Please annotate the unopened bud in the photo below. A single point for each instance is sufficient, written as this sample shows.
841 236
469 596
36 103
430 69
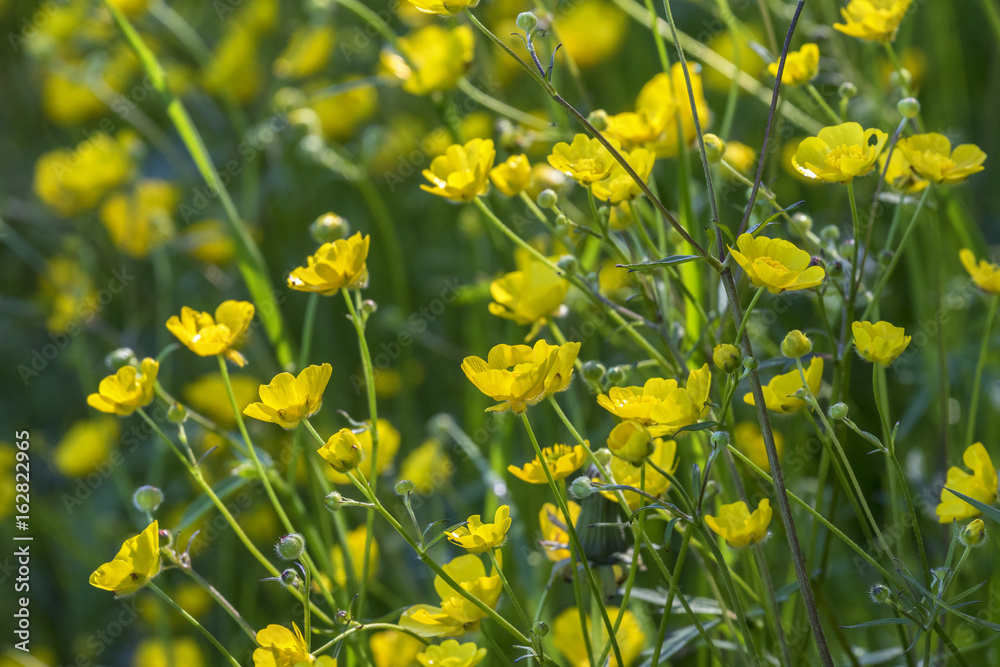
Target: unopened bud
715 148
568 264
847 90
581 488
901 78
603 456
720 439
830 233
540 629
405 487
838 411
120 358
177 413
727 357
593 371
527 21
802 224
548 198
599 119
908 107
329 227
147 498
290 578
342 617
616 374
796 345
750 363
879 594
835 269
368 307
291 546
333 501
974 534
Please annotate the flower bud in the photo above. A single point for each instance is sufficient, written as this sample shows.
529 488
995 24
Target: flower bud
368 307
561 221
548 198
290 578
974 534
846 248
901 78
342 617
631 442
802 224
568 264
604 457
123 356
715 148
796 345
147 498
177 413
885 256
333 501
908 107
291 546
830 233
879 594
750 364
329 227
616 374
599 119
838 411
847 90
405 487
540 629
593 371
720 439
288 98
727 357
527 21
835 269
342 451
581 488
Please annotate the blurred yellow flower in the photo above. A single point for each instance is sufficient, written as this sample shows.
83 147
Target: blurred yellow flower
443 7
555 535
308 51
388 444
570 639
393 648
342 113
838 153
590 31
930 155
69 295
130 7
235 68
873 20
663 99
985 275
741 157
342 451
779 393
586 160
208 241
174 651
67 101
476 537
880 343
428 467
137 562
664 457
129 388
512 175
450 653
86 444
562 461
800 66
462 173
356 553
738 526
456 615
70 181
338 264
519 375
900 174
749 440
739 49
633 128
776 264
530 295
207 395
287 400
619 186
631 442
207 336
981 485
661 405
141 220
440 56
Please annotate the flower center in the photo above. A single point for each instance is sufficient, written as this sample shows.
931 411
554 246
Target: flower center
854 152
773 264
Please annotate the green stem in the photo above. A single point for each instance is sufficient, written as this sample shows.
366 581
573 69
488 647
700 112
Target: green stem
363 627
831 114
510 591
191 619
977 379
746 314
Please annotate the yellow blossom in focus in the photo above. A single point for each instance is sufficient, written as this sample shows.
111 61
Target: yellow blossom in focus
207 336
208 396
619 186
776 264
738 526
779 393
70 181
749 440
127 389
443 7
137 562
873 20
879 343
665 97
287 400
342 451
338 264
631 442
281 647
555 535
428 467
342 113
591 31
462 173
440 56
838 153
450 653
456 615
586 160
800 66
86 445
512 175
981 484
476 537
562 461
393 648
931 156
900 174
140 221
519 376
388 444
661 405
663 456
530 295
175 651
985 275
356 553
308 51
569 638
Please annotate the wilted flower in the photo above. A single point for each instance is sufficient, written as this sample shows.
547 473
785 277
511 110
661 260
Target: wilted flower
137 562
126 390
562 461
879 343
207 336
981 484
461 174
873 20
738 526
800 66
477 537
930 155
839 153
776 264
336 265
287 400
985 275
779 393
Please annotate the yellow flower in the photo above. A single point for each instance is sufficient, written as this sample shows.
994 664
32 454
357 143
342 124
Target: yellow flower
741 157
86 444
634 128
562 461
356 553
738 526
555 536
461 174
388 445
428 467
931 156
450 653
619 186
174 651
800 66
779 393
661 404
393 648
234 68
631 442
512 175
308 51
750 441
664 456
439 55
70 181
873 20
727 358
208 396
281 647
879 343
140 221
207 241
570 639
838 153
137 562
342 113
126 390
477 537
456 615
335 265
529 295
287 400
590 31
519 375
900 173
985 275
342 451
443 7
981 485
586 160
776 264
207 336
68 293
663 99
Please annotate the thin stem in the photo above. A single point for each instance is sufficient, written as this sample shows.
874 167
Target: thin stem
510 591
362 627
746 314
977 379
191 619
831 114
223 602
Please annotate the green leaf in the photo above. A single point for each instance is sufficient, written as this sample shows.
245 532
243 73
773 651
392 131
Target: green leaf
774 216
700 426
988 510
659 263
880 621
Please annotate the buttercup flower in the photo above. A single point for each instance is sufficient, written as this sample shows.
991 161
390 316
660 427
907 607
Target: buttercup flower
427 466
529 295
450 653
343 451
137 562
443 7
779 393
512 175
631 442
727 358
619 186
740 157
70 181
207 395
569 638
931 156
776 264
394 648
749 440
477 537
388 444
839 153
661 405
738 526
985 275
663 99
590 31
355 550
900 174
126 390
664 456
338 264
456 615
461 173
85 446
879 343
439 55
981 484
562 461
873 20
281 647
140 221
207 336
520 375
800 66
287 400
586 160
634 128
555 536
